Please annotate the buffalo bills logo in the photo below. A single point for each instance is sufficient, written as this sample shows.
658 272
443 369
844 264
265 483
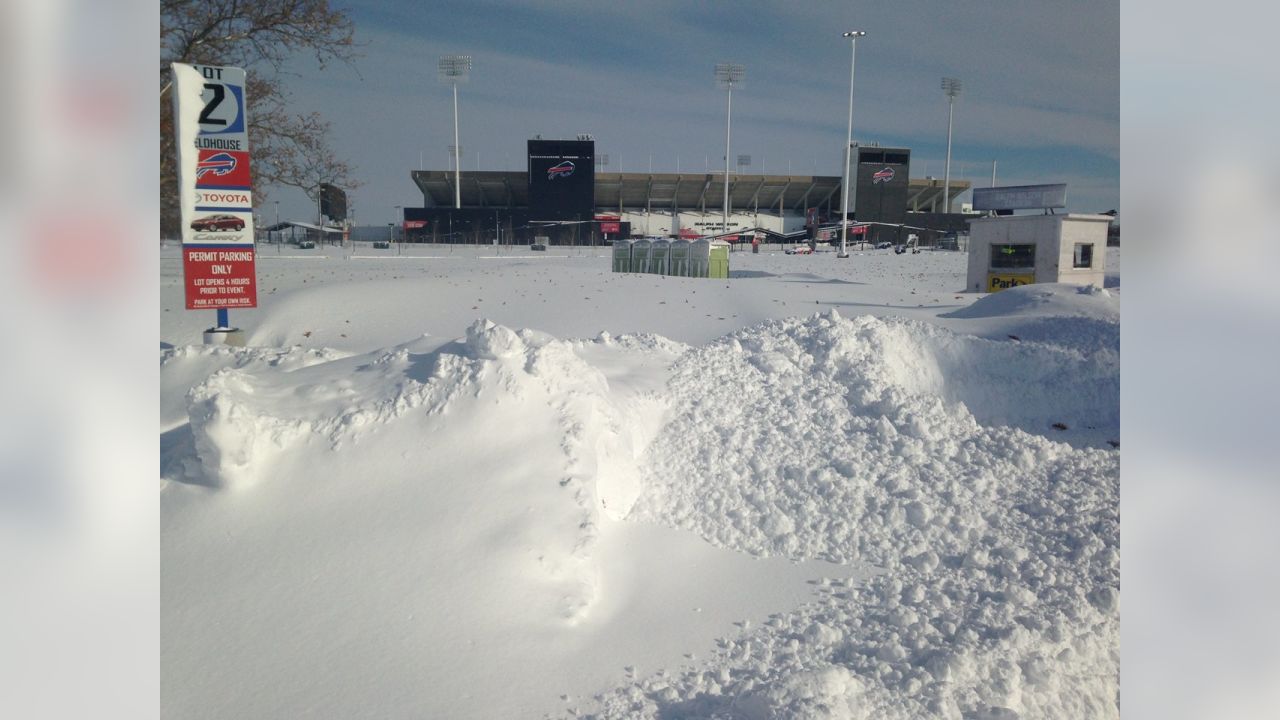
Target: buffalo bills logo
564 169
883 176
219 164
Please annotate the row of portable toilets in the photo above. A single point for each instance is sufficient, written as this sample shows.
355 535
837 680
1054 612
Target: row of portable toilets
682 258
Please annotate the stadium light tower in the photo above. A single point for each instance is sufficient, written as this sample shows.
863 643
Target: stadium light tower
853 36
454 69
950 86
728 76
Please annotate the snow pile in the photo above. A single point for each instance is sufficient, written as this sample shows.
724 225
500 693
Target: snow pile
395 534
1054 299
185 366
242 420
1083 317
854 440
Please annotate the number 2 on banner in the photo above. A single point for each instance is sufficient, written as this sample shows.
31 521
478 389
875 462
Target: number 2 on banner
219 92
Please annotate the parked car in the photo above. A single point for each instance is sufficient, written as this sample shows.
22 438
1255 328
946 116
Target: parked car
884 245
538 246
217 222
799 250
381 244
306 244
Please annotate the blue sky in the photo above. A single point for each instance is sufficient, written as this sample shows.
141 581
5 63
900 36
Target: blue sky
1041 89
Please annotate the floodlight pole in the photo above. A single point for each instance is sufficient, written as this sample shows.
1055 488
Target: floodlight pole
728 119
853 36
951 86
455 68
728 74
457 152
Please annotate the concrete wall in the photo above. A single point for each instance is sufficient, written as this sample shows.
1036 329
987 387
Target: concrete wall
1089 229
1055 238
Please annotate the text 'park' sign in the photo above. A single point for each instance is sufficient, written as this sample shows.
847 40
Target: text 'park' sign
211 123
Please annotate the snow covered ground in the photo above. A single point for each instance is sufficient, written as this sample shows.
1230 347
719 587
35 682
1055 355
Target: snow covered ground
472 482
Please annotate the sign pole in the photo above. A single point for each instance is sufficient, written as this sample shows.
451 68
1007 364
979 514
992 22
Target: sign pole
218 240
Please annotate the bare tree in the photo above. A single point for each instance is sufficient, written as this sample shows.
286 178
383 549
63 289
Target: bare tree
259 35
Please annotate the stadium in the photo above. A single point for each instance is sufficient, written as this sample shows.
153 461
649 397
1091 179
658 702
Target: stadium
563 197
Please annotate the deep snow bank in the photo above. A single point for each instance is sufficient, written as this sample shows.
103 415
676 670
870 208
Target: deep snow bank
399 534
441 511
853 439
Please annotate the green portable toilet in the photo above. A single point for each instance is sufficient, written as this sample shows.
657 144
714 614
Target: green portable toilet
660 256
679 263
718 267
640 256
622 255
699 258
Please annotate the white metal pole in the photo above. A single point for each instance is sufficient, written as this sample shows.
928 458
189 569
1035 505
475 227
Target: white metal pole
946 176
848 152
993 173
457 153
728 119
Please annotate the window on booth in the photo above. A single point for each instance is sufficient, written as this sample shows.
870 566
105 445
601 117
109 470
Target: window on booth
1005 257
1083 255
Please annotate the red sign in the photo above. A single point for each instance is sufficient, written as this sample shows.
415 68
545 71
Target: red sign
220 277
222 169
610 227
414 224
858 230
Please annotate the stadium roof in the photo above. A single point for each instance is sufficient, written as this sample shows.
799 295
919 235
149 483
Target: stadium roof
686 191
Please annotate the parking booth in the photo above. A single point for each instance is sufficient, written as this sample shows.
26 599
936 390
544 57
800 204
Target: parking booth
622 255
679 263
1007 251
659 256
640 256
1012 250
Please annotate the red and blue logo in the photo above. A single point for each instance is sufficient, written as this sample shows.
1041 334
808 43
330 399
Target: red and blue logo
223 169
883 176
564 169
219 164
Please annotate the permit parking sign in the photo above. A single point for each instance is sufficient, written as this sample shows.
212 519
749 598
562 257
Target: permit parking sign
210 112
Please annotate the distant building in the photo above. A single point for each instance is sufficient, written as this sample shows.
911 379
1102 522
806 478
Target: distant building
564 196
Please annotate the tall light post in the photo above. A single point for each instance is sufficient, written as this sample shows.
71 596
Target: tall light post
728 76
853 36
454 69
950 86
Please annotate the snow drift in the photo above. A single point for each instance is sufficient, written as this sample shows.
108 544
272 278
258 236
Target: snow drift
343 490
853 440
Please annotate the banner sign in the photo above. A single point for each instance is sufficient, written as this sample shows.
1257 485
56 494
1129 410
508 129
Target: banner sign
1020 197
610 227
218 263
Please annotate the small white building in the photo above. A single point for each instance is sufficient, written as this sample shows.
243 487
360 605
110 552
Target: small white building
1010 250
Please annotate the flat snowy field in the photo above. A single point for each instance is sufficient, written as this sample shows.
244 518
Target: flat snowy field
480 483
